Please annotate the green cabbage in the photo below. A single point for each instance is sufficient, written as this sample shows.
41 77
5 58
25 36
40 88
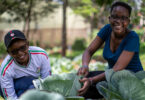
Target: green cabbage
40 95
67 84
123 85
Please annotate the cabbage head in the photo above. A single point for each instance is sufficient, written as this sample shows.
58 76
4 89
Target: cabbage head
67 84
123 85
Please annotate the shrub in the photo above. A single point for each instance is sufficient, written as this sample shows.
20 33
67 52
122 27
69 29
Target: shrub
79 44
2 48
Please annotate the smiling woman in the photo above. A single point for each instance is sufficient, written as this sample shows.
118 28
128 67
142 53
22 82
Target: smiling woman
121 49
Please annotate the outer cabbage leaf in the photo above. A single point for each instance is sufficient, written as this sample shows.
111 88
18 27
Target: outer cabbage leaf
122 85
40 95
140 75
107 93
100 89
65 84
143 80
132 89
119 76
108 74
75 98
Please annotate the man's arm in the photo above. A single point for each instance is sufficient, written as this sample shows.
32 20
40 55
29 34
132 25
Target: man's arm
7 87
45 68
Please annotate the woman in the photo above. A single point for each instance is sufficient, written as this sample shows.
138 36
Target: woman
121 48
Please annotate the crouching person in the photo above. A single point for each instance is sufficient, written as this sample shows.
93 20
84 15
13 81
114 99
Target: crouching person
23 64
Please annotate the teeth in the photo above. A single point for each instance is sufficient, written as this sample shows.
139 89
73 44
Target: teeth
21 57
118 26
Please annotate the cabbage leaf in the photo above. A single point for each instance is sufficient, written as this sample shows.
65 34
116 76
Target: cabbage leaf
66 84
123 85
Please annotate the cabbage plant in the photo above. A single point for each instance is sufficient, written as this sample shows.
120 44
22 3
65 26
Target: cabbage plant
67 84
123 85
40 95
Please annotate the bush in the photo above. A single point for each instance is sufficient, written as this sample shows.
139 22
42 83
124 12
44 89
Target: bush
2 48
79 44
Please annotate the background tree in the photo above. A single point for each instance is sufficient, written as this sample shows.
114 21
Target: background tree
64 4
64 31
97 11
27 11
92 10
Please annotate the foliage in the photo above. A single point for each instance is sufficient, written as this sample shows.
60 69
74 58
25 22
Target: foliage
61 65
123 85
31 43
40 95
65 65
20 7
2 48
87 8
95 32
141 34
91 10
79 44
66 84
142 10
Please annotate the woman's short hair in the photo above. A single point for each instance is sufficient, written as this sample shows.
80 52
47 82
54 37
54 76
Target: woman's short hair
123 4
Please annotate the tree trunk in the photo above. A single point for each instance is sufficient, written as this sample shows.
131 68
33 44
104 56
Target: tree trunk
24 27
29 19
64 35
92 25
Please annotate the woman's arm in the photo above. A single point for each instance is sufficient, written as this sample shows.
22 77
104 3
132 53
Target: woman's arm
123 60
121 64
93 47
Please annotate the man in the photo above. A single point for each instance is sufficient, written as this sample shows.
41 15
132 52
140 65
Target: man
22 64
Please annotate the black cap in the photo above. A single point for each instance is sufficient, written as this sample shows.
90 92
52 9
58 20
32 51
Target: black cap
12 35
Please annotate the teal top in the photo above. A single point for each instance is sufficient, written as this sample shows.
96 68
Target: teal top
129 43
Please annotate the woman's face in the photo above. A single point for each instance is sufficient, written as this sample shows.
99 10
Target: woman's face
19 51
119 20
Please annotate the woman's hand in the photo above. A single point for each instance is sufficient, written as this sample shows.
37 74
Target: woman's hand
87 83
83 71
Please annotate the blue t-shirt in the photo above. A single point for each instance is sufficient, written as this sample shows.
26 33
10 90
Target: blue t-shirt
129 43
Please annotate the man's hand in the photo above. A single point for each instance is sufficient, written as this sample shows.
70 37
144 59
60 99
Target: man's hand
85 87
83 71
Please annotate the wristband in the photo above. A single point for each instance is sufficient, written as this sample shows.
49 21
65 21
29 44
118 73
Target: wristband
91 81
85 66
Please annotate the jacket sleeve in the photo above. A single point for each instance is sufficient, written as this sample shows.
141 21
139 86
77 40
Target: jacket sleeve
7 86
45 67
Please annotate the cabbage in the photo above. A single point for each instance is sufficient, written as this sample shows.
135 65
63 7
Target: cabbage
67 84
123 85
40 95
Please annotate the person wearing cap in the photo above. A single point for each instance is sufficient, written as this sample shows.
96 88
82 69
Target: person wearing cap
22 64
